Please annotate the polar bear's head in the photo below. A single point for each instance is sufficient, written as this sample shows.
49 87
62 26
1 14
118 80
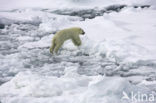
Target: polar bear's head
81 31
76 30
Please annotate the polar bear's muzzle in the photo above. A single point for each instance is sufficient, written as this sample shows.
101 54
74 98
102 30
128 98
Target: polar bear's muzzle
83 32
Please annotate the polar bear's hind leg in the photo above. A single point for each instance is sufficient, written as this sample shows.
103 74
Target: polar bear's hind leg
53 46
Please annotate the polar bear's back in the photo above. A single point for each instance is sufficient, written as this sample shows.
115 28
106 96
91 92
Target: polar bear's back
67 33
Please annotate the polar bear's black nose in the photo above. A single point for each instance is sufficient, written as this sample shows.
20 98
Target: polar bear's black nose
83 32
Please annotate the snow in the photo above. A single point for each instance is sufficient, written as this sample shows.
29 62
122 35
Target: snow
128 38
69 88
117 55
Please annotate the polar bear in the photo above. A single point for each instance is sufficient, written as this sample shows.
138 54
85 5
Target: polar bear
66 34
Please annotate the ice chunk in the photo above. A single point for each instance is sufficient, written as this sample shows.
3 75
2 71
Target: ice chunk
73 88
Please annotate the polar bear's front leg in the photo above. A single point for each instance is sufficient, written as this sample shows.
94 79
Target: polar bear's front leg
57 47
76 41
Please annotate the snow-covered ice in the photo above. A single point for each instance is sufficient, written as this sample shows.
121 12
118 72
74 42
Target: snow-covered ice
116 60
72 87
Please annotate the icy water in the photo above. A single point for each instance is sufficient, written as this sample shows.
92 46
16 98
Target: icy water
21 49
